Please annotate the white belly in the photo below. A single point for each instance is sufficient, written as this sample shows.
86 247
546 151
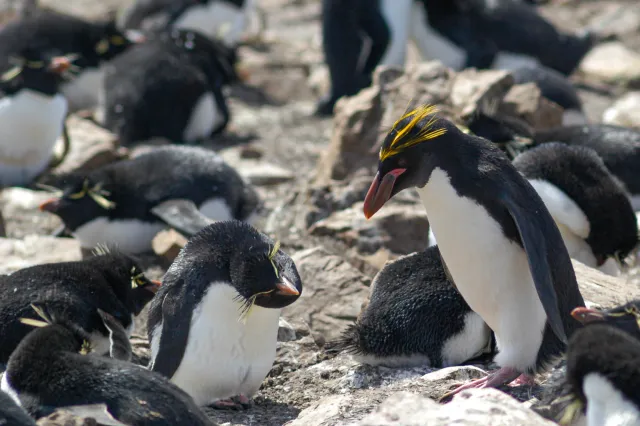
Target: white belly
491 272
217 19
204 118
6 388
30 124
83 92
606 406
472 341
224 357
397 14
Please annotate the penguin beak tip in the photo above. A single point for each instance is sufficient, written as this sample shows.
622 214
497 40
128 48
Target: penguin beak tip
50 205
286 288
585 315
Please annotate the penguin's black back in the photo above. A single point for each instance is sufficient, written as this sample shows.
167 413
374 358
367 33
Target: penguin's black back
152 89
72 290
580 173
552 84
619 147
413 310
11 414
47 367
606 351
165 173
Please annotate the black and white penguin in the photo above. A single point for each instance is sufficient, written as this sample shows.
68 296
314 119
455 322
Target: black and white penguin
498 241
54 33
114 204
51 368
590 207
32 115
110 281
603 376
415 317
224 20
557 88
214 322
11 414
169 87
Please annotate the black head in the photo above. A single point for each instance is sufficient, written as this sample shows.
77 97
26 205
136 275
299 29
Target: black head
260 272
82 199
416 143
125 276
37 71
113 41
625 317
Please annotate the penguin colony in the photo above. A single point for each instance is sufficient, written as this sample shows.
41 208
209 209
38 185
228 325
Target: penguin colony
497 281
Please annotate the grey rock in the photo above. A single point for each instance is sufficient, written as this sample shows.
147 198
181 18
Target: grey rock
602 289
36 249
473 89
80 415
526 101
612 62
286 332
624 112
21 214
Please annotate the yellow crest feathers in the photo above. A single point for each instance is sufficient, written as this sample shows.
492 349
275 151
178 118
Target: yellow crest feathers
401 142
272 255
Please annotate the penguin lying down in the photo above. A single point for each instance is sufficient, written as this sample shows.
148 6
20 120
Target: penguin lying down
111 281
53 367
415 317
213 325
603 368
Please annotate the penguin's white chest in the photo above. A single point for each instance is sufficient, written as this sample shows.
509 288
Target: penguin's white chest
217 19
30 124
5 386
83 92
224 357
490 271
606 406
205 117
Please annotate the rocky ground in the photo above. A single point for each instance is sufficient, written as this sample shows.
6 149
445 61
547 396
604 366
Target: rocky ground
313 174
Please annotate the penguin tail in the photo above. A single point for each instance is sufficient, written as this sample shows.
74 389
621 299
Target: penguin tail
348 342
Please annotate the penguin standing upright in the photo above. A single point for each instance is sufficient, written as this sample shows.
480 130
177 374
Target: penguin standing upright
32 115
213 325
114 204
53 33
52 368
590 208
110 281
169 87
224 20
415 317
498 241
345 24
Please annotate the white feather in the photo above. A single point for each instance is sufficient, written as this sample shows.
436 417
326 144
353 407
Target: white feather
101 344
490 271
474 340
224 357
204 118
217 19
607 406
397 14
5 386
30 124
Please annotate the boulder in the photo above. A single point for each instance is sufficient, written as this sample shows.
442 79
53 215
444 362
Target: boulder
36 249
612 62
526 101
624 112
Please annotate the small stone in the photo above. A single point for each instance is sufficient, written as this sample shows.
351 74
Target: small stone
526 101
286 332
168 243
462 372
473 88
80 415
264 173
612 62
251 152
624 112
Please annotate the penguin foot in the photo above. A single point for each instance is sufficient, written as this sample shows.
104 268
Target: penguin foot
239 402
523 379
497 378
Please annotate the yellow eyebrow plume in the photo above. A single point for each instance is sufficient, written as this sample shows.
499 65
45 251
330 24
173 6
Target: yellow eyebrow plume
428 131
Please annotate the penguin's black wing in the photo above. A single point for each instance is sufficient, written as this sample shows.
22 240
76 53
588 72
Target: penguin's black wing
119 344
533 235
182 215
177 305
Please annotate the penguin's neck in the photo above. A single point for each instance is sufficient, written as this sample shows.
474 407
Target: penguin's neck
607 406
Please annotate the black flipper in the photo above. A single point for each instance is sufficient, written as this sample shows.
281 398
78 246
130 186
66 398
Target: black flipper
176 321
120 346
181 215
535 246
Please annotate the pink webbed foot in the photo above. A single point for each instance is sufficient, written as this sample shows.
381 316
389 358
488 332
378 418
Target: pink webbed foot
238 402
494 379
523 380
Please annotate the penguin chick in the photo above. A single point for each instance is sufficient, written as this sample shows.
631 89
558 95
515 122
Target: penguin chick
619 148
603 376
50 369
213 325
11 414
624 317
169 87
111 281
557 88
54 33
225 20
32 115
498 241
113 204
589 206
415 317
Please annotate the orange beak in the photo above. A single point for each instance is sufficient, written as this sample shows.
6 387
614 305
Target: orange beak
380 192
60 64
50 205
586 315
286 287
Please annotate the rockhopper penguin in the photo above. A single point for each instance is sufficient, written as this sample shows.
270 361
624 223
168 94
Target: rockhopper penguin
624 317
53 367
114 204
415 317
588 204
111 281
498 241
32 115
213 325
